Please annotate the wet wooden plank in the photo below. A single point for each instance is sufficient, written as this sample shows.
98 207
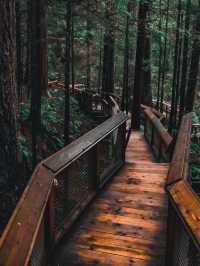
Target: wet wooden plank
82 256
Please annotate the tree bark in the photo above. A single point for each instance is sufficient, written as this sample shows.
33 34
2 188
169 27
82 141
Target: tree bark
124 104
19 72
140 71
67 73
39 73
172 120
109 49
8 95
164 59
72 52
160 56
194 66
185 60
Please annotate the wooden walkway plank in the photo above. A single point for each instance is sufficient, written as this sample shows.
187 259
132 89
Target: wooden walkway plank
126 224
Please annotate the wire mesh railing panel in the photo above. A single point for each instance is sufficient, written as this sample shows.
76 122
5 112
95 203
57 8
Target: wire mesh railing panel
183 251
38 255
110 153
182 247
148 130
71 185
156 144
105 153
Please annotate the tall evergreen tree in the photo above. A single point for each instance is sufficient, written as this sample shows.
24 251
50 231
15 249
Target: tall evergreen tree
164 57
67 71
88 47
39 75
8 95
19 72
185 59
141 74
160 55
109 48
172 122
194 66
124 104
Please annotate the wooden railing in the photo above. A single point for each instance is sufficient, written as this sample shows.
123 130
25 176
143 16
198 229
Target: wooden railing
166 107
183 236
60 189
157 136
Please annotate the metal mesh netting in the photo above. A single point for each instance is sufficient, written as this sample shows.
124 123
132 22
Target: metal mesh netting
111 153
38 253
185 251
73 184
156 143
70 187
148 130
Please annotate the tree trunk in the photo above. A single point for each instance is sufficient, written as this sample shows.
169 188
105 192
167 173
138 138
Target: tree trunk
109 49
194 67
164 59
72 53
124 104
19 72
39 77
27 77
172 121
8 95
185 59
67 73
88 45
140 72
146 69
160 57
100 62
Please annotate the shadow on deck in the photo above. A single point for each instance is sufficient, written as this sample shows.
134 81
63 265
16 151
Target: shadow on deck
126 223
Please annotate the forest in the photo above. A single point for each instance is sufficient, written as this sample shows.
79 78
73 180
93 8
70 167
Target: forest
61 60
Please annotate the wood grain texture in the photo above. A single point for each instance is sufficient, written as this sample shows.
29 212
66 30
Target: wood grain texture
126 224
188 206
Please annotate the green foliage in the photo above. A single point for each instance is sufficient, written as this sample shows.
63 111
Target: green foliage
195 168
23 146
24 111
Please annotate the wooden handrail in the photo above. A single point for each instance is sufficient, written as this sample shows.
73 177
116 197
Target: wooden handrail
180 159
184 204
157 136
76 149
187 205
34 208
17 241
164 135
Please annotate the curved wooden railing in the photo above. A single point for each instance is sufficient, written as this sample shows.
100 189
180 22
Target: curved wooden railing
183 243
157 136
59 190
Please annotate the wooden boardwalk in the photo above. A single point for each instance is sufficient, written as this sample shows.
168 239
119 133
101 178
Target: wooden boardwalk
126 223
